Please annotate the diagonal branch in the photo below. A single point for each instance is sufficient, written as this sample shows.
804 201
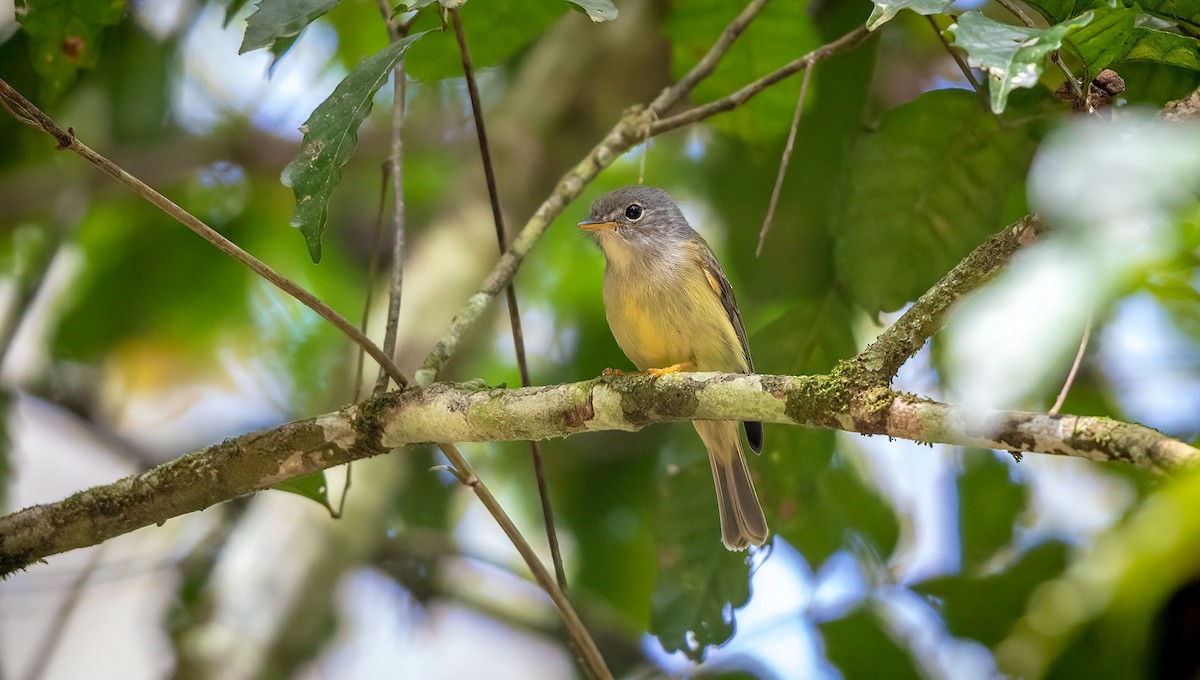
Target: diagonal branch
629 131
879 362
843 44
23 110
514 312
708 63
468 412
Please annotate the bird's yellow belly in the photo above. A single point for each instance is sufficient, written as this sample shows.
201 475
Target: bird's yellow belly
657 329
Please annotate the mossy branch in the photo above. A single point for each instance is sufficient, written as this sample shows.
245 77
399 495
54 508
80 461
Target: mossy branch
471 413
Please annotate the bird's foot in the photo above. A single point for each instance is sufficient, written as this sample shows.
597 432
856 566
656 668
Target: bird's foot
673 368
613 372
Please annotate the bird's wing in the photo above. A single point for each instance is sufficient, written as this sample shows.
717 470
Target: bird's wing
720 285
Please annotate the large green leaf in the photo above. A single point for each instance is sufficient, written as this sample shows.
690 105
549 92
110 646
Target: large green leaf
699 582
926 187
330 137
1012 56
782 31
275 19
985 608
1155 83
1162 47
1105 40
859 646
989 502
1185 12
886 9
1056 11
65 36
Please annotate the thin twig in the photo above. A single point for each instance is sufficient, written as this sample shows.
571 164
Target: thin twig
1083 343
1055 57
45 652
708 63
587 647
783 164
728 103
962 64
26 112
396 31
372 271
514 312
629 131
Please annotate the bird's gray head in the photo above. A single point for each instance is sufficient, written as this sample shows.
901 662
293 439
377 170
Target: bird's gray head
636 217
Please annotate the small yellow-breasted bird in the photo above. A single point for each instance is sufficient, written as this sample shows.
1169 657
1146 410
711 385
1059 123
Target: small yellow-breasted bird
671 308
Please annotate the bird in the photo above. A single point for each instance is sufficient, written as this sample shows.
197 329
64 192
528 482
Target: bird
671 308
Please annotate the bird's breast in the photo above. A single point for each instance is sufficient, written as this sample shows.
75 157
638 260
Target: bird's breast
666 314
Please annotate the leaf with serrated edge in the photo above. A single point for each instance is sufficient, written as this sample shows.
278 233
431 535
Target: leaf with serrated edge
275 19
927 186
598 11
885 10
330 137
1012 56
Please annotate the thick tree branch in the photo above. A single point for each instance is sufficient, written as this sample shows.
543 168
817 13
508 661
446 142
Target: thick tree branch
467 412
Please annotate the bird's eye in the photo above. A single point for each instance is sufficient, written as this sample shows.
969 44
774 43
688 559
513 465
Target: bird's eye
634 212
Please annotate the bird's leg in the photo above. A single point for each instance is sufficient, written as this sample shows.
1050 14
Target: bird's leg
673 368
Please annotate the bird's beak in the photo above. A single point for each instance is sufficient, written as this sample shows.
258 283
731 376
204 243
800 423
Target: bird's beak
595 225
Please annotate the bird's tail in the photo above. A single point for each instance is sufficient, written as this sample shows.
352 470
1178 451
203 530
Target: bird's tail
742 520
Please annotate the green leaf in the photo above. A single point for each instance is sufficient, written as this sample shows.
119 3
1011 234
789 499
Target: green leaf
1155 83
65 36
985 608
330 137
1105 40
232 7
128 246
1056 11
1012 56
926 187
699 581
275 19
859 645
989 502
1186 12
311 486
598 11
886 9
1162 47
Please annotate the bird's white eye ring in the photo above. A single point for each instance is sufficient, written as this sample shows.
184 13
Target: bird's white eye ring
634 212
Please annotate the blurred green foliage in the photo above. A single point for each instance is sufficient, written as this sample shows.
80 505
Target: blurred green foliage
895 178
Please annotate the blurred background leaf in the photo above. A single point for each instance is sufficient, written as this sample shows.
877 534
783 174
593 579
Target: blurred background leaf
887 558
